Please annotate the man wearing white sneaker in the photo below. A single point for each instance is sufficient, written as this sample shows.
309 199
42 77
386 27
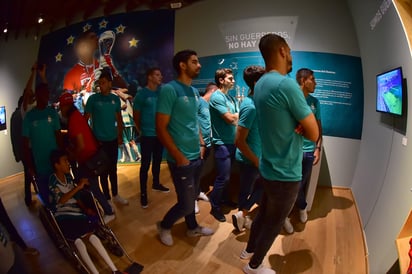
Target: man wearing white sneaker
104 111
283 117
248 151
178 129
311 150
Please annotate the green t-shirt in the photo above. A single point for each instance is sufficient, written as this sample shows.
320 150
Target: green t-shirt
313 103
146 103
247 119
103 109
222 132
180 102
204 121
280 105
40 127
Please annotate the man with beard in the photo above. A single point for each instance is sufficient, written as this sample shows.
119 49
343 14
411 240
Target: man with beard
283 117
177 128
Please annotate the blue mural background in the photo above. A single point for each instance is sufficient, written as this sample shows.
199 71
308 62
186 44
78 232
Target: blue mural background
143 39
339 85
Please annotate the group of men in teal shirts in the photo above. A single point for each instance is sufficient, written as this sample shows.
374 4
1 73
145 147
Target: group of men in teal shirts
273 126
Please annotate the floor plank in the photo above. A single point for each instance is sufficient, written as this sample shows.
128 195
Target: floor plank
330 242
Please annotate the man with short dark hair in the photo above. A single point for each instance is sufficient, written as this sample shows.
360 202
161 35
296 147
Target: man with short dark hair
311 150
177 128
224 117
283 117
41 128
248 151
104 111
144 115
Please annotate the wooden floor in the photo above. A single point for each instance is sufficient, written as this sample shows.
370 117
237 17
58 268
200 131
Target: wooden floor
330 242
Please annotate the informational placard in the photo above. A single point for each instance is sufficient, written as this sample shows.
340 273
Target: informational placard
339 85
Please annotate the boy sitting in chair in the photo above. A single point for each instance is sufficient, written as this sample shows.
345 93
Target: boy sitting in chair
73 222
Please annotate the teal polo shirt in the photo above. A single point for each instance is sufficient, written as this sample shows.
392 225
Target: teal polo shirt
146 103
247 119
40 127
103 109
180 102
204 121
280 105
219 104
313 103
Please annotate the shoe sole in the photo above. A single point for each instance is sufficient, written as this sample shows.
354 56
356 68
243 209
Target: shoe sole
235 224
163 191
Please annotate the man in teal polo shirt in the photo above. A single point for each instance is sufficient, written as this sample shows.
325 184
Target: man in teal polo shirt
248 151
224 116
283 117
178 129
311 150
144 114
41 127
104 111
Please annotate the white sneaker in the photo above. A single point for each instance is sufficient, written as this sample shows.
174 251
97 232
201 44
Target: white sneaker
200 231
248 222
196 208
259 270
108 218
244 255
238 220
303 215
203 196
119 199
165 235
288 226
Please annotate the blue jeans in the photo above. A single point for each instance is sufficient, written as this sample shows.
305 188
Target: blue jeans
186 182
250 190
277 202
307 164
150 147
111 149
83 172
223 157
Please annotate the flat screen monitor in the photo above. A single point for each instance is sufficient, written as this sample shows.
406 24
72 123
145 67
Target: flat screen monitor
2 118
390 92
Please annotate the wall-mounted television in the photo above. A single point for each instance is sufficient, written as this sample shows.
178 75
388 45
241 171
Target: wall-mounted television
390 92
3 118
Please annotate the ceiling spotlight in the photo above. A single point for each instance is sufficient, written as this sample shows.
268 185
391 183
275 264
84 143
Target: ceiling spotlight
40 20
176 5
5 30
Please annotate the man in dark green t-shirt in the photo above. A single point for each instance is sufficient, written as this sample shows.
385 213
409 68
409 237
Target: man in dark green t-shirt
283 117
178 130
41 127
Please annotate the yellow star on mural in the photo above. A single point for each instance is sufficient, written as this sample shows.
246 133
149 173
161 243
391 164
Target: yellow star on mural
86 27
133 43
120 29
70 40
103 24
59 57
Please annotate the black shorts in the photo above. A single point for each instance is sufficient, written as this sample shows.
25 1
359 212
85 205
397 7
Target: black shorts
74 227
